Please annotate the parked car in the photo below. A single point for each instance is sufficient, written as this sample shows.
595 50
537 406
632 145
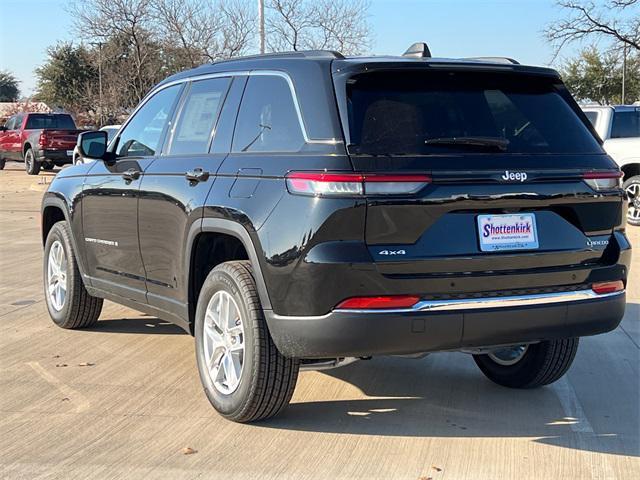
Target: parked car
619 127
111 132
306 210
41 140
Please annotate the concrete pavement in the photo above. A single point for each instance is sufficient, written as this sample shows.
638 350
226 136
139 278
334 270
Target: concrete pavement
123 400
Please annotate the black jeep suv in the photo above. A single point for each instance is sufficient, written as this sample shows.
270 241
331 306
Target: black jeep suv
305 210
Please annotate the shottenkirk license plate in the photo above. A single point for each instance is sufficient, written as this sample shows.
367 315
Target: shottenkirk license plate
69 153
507 232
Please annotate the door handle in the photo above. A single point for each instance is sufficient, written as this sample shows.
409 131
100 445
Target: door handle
131 175
197 175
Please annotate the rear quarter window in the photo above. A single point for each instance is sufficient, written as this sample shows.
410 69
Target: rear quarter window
268 120
626 124
425 113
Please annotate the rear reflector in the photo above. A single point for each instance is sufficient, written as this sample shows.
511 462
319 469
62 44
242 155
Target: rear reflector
607 287
603 180
353 184
371 303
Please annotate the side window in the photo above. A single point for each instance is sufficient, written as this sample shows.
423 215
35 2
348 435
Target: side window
10 123
592 116
626 124
198 116
143 134
267 121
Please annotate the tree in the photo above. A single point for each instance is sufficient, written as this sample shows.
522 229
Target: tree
9 91
318 25
596 77
617 21
68 78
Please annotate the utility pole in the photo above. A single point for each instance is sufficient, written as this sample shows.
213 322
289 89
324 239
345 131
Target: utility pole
100 116
624 71
261 24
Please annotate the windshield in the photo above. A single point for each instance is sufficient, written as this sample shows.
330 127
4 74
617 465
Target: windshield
428 113
40 121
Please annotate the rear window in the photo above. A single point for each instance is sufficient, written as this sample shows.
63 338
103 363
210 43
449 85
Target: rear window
58 122
430 113
626 124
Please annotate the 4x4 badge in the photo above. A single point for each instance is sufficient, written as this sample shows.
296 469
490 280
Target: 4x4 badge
521 176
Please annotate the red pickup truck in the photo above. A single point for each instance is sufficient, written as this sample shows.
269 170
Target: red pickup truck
41 140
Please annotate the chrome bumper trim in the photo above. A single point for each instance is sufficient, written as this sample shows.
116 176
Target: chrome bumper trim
493 302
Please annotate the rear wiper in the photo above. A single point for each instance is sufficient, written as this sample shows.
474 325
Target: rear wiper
489 142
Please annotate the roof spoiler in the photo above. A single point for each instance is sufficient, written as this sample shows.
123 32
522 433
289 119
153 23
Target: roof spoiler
419 50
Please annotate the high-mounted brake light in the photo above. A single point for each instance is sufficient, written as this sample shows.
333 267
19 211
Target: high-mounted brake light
354 184
378 303
607 287
603 180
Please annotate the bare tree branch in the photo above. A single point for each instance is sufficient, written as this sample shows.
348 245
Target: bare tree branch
618 20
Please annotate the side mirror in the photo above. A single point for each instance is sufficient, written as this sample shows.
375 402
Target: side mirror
93 145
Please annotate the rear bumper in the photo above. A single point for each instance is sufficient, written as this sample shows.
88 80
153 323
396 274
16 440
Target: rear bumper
59 157
447 325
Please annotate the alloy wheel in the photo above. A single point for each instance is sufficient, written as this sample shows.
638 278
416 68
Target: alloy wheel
508 356
57 276
633 194
223 340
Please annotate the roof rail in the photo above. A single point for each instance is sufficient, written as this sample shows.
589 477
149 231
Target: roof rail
296 54
419 50
494 60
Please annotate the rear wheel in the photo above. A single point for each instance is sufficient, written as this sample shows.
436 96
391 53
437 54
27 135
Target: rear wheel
31 165
632 188
68 302
244 375
529 366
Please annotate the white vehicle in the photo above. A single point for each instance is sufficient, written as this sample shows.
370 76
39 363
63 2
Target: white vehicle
619 127
111 132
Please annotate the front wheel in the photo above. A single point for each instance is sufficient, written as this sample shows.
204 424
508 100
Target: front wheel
632 188
31 165
48 166
529 366
244 375
68 302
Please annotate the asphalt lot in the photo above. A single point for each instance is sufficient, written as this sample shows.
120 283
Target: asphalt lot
123 400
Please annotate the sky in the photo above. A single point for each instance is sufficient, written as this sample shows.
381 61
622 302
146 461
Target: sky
453 28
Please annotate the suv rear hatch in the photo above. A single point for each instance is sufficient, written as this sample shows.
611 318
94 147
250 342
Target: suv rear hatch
515 178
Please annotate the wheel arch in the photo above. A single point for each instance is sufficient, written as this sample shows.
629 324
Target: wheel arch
631 169
55 209
227 228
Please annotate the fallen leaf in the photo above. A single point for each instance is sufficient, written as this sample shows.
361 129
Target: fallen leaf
56 356
437 469
65 399
86 364
188 451
425 478
61 365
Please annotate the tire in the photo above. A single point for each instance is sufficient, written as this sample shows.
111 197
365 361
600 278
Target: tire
266 379
77 159
632 187
2 163
541 364
48 166
78 309
31 165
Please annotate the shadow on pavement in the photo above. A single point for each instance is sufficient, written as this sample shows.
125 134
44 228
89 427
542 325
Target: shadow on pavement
149 326
444 395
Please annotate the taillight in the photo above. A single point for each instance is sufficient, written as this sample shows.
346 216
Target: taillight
603 180
375 303
42 140
607 287
354 184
